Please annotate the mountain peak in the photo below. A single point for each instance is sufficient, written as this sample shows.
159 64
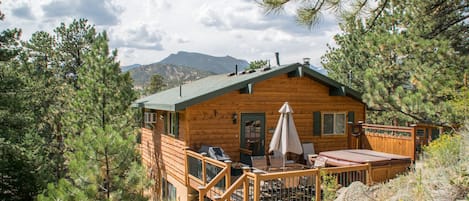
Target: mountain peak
205 62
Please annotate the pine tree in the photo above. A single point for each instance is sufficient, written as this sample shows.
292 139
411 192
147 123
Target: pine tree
156 84
103 161
23 159
404 71
256 64
407 57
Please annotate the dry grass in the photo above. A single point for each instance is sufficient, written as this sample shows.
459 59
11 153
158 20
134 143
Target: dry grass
442 175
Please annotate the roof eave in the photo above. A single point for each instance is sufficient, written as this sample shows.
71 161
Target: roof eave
165 107
237 86
328 81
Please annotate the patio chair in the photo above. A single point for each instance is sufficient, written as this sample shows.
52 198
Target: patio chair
308 151
320 162
259 162
275 162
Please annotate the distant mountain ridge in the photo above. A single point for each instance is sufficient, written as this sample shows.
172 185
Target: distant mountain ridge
205 62
129 67
183 67
173 74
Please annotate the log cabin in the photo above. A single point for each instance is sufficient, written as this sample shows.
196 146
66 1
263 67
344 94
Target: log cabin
238 112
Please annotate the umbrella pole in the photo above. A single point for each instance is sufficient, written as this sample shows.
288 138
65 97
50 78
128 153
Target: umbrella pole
284 161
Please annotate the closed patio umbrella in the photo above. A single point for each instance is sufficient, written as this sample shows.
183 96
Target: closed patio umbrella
285 138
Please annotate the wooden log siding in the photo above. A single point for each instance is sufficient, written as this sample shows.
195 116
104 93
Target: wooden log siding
168 148
210 122
147 147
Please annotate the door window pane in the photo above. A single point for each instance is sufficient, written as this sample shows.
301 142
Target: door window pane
252 131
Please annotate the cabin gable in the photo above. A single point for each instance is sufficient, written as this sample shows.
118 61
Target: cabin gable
211 121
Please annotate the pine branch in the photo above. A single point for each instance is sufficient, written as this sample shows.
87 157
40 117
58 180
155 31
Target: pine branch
375 18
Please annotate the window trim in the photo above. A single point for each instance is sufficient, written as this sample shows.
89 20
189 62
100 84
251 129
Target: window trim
171 123
150 117
333 123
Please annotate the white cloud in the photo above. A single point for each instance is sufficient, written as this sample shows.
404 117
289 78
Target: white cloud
100 12
142 36
24 11
146 31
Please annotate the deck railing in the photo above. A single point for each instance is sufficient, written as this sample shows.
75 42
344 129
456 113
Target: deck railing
209 176
390 139
397 131
291 185
212 179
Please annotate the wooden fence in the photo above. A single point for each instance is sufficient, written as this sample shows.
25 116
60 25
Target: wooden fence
400 140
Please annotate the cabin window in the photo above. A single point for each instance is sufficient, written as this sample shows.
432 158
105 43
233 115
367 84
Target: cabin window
149 119
333 123
172 123
168 190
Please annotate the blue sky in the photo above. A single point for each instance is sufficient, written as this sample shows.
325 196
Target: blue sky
146 31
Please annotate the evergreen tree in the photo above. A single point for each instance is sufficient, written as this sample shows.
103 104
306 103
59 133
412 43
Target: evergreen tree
156 84
309 13
103 161
407 57
52 63
404 69
73 41
23 159
256 64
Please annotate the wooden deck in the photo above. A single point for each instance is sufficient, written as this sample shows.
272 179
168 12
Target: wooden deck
207 178
212 180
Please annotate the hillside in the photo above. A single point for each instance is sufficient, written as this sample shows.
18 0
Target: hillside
173 74
129 67
217 65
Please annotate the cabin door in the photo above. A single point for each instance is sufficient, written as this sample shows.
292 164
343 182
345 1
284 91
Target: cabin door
252 134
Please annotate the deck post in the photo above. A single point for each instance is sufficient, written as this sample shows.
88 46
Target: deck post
204 172
414 140
257 187
186 174
246 184
360 131
318 185
369 177
228 174
201 193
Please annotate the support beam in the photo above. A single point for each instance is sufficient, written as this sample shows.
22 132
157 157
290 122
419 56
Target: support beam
337 91
248 89
296 73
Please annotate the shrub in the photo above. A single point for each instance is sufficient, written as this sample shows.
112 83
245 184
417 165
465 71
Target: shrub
329 186
443 152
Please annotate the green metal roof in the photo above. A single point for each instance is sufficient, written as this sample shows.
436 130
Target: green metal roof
177 98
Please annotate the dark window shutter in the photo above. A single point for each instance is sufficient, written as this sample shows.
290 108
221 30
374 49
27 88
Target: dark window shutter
317 123
165 120
351 117
143 118
176 125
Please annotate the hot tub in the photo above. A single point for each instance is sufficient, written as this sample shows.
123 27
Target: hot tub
384 166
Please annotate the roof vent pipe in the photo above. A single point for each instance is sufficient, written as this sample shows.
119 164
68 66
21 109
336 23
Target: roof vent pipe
236 69
180 91
277 58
